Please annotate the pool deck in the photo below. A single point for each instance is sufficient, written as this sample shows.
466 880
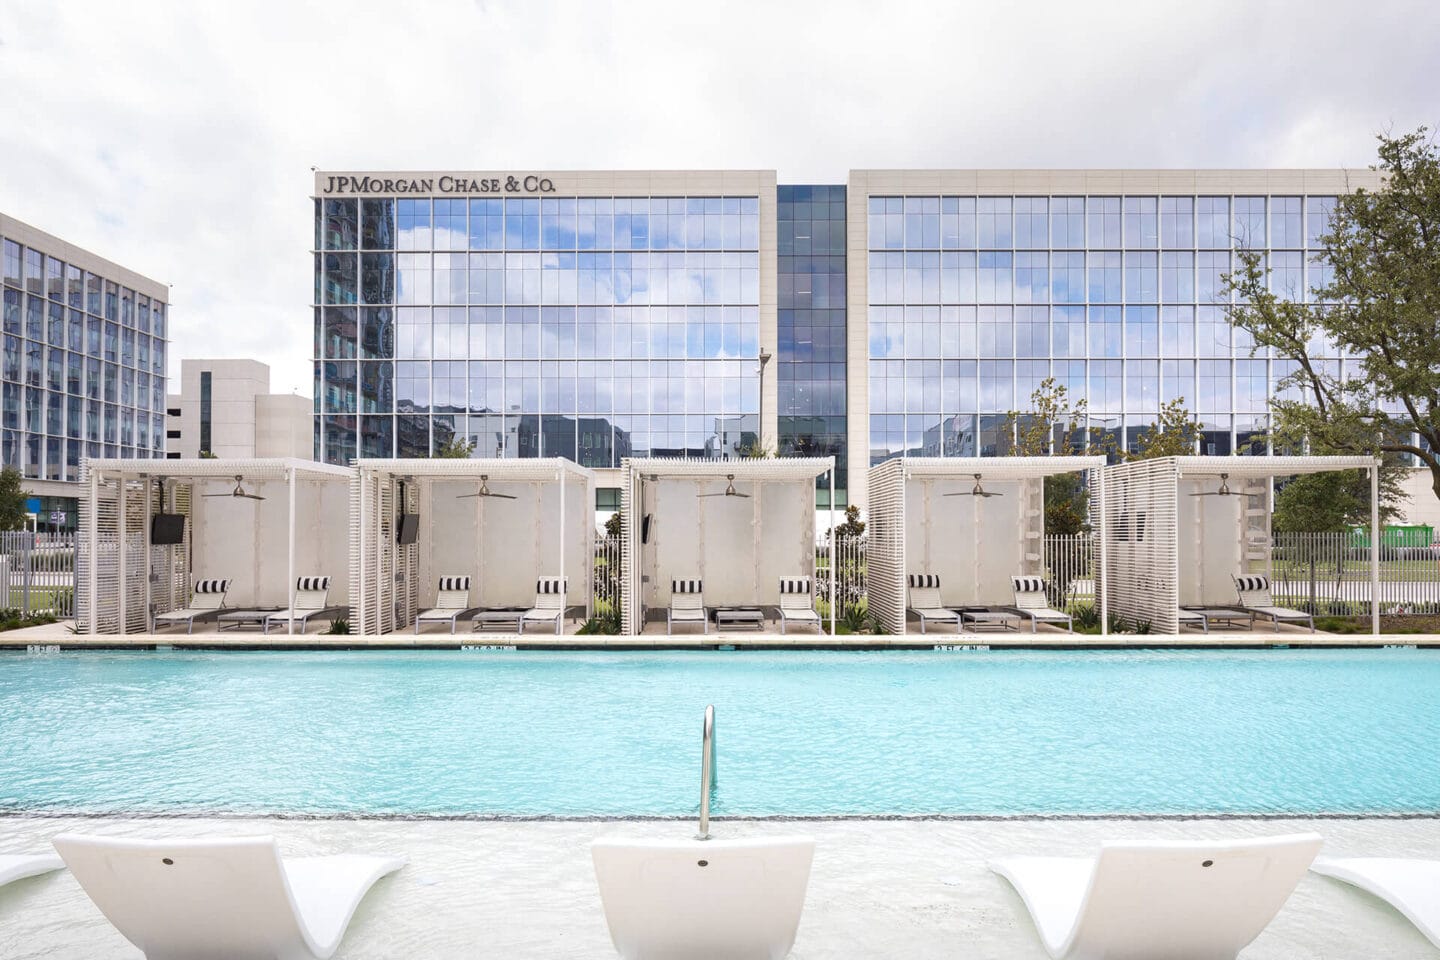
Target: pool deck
58 636
914 889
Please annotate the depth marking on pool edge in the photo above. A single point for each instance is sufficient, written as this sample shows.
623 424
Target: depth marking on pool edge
738 818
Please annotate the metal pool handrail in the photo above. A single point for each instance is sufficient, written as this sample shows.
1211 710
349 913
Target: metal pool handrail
707 771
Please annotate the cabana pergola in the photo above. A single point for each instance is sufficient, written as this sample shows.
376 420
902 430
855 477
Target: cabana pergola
1170 548
924 519
536 518
289 519
678 523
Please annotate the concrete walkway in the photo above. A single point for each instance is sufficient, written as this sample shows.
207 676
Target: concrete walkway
879 889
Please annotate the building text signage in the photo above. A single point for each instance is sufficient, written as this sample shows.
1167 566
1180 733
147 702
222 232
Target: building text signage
450 183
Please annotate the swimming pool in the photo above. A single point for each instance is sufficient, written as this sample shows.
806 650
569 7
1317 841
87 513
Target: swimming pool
799 733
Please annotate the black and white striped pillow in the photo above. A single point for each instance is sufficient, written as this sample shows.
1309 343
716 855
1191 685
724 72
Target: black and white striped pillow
794 584
550 585
1251 583
211 586
685 586
312 583
1028 584
925 580
454 583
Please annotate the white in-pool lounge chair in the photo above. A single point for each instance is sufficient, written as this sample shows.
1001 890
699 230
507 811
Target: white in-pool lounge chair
311 595
1410 886
452 598
550 593
226 897
1031 601
1182 900
925 601
1255 598
18 866
206 603
797 602
687 605
731 899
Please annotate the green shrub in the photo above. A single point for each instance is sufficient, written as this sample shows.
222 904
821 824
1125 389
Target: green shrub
1086 617
339 628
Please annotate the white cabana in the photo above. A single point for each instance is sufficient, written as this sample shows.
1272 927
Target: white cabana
260 524
679 524
924 519
1169 548
536 519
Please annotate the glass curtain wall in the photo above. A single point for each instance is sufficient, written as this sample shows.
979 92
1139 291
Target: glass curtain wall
591 328
973 301
84 366
810 357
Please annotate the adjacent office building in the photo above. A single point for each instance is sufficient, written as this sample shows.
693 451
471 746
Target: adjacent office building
84 364
225 409
600 315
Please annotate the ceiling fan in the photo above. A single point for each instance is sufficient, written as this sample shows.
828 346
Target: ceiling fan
485 491
239 491
979 491
1224 490
730 490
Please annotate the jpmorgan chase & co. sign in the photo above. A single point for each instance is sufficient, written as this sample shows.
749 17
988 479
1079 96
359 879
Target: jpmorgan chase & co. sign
454 184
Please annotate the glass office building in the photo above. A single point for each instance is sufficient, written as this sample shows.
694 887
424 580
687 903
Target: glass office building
596 315
84 364
593 326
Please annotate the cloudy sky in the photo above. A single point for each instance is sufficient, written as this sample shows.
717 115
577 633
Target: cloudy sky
177 137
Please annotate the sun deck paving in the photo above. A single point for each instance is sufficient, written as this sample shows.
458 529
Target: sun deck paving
916 889
207 637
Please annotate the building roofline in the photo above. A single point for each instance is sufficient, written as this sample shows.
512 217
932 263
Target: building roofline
32 236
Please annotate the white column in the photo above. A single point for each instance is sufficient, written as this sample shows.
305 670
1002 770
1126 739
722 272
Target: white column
358 601
834 551
124 584
560 480
149 599
1375 549
1102 585
92 532
290 561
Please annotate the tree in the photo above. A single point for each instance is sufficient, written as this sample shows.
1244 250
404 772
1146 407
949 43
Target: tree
853 525
1381 306
1331 502
1173 435
13 514
612 526
1052 426
456 448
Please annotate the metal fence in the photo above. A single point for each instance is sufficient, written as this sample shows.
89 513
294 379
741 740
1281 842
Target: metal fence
849 576
37 573
605 575
1330 573
1070 567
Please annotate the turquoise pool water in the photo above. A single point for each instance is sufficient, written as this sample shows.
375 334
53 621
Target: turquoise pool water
549 733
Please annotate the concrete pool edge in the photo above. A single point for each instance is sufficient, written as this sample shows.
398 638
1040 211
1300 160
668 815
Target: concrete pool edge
52 641
351 817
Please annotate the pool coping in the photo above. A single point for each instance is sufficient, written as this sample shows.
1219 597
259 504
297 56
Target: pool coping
49 642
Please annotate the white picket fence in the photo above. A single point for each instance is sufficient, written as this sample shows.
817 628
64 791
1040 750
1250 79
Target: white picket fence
37 573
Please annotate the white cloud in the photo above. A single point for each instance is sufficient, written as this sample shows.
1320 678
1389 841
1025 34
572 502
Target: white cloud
177 137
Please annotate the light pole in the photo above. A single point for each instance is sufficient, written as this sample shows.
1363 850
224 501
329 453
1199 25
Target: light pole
760 428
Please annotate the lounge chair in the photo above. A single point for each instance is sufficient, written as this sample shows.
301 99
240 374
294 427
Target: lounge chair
1032 601
18 866
550 593
1178 900
797 602
206 603
1192 618
1254 592
311 595
687 605
732 899
231 897
925 601
1410 886
452 598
